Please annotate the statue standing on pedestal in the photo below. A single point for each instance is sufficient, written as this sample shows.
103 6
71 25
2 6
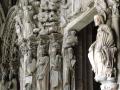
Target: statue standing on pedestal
103 49
102 53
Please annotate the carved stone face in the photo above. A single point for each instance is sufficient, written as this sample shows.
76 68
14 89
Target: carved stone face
98 20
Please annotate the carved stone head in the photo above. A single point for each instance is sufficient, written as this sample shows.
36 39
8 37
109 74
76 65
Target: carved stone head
70 39
98 19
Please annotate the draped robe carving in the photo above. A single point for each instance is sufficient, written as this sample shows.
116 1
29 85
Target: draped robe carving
55 63
69 59
102 55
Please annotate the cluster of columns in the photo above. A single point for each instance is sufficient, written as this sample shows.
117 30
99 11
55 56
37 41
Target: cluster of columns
47 57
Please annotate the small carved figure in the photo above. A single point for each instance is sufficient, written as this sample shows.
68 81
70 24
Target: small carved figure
75 7
63 17
44 4
27 22
55 65
102 51
19 26
67 7
42 66
69 59
19 32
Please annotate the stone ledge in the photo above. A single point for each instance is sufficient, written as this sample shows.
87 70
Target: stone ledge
82 20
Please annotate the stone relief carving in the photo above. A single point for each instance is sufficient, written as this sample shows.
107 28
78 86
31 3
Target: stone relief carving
42 74
27 21
102 54
71 9
4 77
69 59
39 18
55 62
24 29
12 78
109 9
35 19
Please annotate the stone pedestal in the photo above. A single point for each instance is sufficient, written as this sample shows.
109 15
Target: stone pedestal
109 85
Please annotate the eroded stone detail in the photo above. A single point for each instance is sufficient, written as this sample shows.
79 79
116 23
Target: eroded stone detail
42 65
69 42
109 9
55 61
35 22
102 54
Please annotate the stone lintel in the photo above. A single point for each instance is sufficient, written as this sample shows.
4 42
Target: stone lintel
82 20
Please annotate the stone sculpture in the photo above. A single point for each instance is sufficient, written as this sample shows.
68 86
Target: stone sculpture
38 19
12 78
42 65
69 59
27 22
102 54
55 62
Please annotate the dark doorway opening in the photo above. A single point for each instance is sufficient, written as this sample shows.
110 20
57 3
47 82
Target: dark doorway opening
84 74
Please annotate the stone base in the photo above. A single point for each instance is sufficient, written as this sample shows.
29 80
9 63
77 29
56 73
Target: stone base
108 85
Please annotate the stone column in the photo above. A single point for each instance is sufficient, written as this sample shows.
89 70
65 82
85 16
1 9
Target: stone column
116 27
55 61
24 29
69 59
49 19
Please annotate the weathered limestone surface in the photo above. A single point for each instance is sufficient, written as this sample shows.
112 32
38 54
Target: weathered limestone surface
100 52
38 40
